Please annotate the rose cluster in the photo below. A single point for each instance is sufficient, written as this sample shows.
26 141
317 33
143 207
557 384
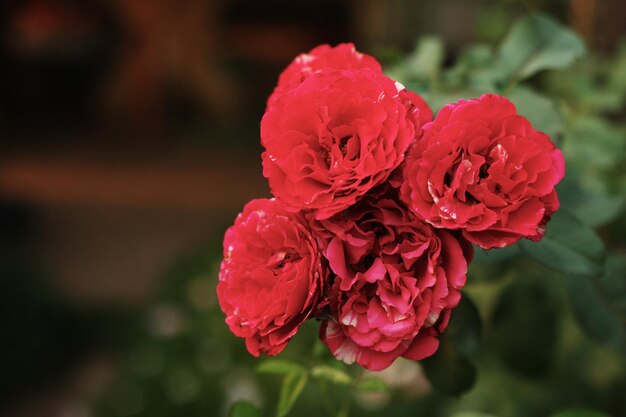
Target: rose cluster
376 207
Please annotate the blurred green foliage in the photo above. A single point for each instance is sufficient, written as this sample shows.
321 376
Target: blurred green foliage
541 330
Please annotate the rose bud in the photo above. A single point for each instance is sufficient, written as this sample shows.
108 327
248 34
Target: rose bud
482 168
271 278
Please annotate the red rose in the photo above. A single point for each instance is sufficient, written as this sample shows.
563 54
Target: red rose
417 106
482 168
271 277
397 279
323 57
336 136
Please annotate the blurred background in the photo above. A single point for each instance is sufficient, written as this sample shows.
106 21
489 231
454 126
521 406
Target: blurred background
129 141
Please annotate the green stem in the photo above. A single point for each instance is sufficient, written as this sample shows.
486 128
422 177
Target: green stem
326 400
344 408
328 405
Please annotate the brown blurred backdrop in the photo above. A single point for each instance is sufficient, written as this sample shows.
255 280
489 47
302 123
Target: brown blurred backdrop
129 128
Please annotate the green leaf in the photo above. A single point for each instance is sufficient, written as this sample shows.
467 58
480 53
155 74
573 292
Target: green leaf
589 202
473 57
599 303
426 60
448 371
594 143
292 387
539 110
473 69
497 255
599 209
330 374
279 367
372 384
536 43
579 412
525 338
592 310
295 379
464 330
243 409
420 70
613 282
568 246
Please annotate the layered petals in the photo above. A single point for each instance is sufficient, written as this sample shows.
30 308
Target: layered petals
396 280
337 135
482 168
272 276
323 57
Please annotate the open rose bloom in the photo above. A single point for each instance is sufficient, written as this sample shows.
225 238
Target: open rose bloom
376 206
334 137
396 280
482 168
271 277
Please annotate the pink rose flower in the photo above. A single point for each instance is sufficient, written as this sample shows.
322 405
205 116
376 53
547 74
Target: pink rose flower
482 168
397 279
271 278
323 57
336 136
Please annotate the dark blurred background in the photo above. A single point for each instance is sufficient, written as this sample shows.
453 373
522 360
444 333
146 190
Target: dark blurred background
129 138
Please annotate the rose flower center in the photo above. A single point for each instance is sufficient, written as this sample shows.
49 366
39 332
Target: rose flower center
282 258
341 145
